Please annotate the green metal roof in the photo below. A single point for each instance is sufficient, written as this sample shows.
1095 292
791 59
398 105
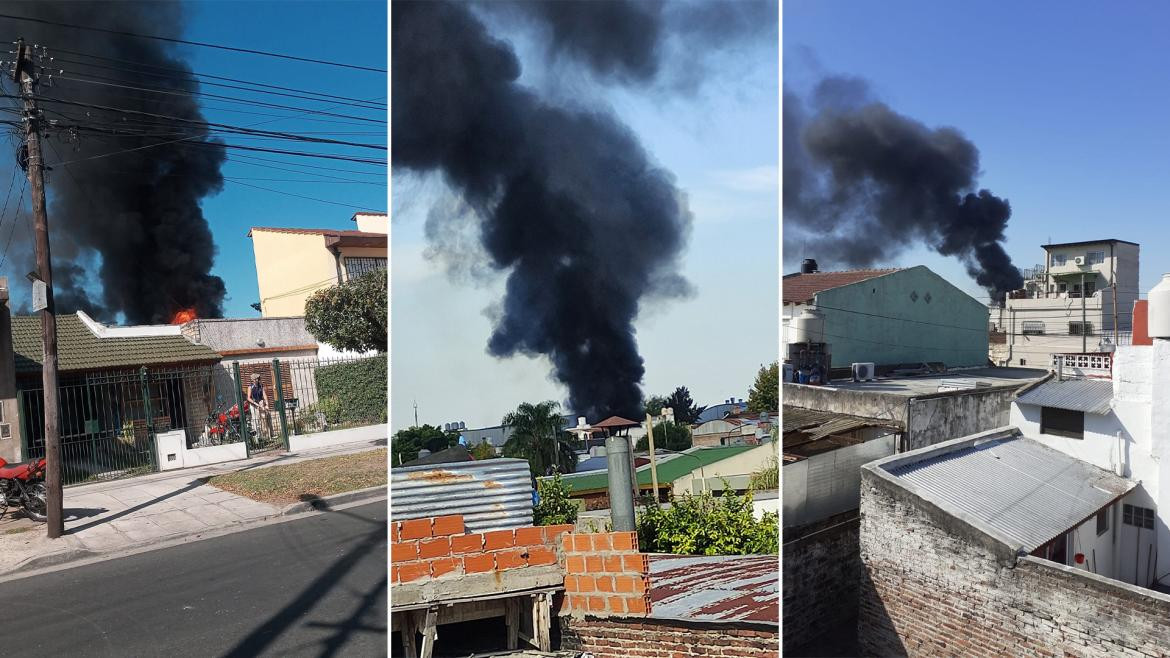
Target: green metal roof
668 471
79 349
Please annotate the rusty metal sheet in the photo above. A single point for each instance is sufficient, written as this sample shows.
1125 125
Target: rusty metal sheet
492 494
741 588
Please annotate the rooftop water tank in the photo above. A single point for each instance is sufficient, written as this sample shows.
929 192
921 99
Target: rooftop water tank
809 327
1159 309
808 266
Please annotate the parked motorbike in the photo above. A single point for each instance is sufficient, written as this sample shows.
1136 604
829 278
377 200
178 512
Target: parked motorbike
23 485
224 426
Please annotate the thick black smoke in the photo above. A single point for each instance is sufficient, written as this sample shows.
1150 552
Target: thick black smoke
139 210
862 183
569 202
633 41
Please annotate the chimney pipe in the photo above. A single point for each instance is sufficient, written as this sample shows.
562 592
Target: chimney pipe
808 266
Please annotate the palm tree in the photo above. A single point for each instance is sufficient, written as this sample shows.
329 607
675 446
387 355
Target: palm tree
538 435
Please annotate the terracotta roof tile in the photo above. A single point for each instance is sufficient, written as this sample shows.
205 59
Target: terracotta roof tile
801 288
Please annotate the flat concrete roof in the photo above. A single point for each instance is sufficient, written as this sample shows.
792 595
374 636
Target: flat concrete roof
913 385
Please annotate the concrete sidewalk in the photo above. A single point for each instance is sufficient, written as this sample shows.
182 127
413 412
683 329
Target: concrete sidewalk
124 514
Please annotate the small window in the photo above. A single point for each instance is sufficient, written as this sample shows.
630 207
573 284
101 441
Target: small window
1062 422
1062 287
1094 257
1090 288
1080 328
1059 259
1103 521
1141 517
355 267
1033 327
1023 362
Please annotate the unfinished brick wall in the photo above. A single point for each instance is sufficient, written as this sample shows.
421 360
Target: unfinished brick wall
605 574
665 638
932 585
438 547
822 571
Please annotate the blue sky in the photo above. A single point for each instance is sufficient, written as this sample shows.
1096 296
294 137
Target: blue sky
1067 102
721 143
349 31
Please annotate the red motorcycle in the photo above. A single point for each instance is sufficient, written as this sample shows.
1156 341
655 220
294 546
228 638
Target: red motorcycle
23 485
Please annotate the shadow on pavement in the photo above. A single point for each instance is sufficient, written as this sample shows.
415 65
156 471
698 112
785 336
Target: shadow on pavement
268 632
194 484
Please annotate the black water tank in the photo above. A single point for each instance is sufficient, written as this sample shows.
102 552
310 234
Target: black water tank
808 266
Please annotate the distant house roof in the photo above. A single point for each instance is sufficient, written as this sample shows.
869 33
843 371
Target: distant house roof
1088 395
344 238
449 456
669 470
801 288
1026 493
717 411
616 422
78 348
1085 242
715 588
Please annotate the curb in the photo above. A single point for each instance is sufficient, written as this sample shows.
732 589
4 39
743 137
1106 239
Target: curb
322 504
53 559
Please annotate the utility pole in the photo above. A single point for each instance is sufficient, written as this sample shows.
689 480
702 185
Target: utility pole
25 74
1084 329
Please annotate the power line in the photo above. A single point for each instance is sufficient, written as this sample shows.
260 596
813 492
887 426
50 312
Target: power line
195 76
201 44
299 196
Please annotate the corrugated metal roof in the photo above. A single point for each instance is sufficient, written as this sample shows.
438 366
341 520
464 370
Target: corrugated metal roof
670 468
1029 493
79 349
817 424
1089 395
715 588
491 494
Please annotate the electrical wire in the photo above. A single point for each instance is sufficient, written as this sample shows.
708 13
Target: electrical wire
299 196
201 44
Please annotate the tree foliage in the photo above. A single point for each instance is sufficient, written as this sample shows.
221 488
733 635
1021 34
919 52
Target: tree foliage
667 436
555 506
654 405
406 443
706 525
351 316
765 392
483 450
539 437
685 409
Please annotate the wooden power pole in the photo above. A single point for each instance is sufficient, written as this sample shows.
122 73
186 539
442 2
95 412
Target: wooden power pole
25 74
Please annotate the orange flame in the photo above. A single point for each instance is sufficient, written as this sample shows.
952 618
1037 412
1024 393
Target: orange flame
184 315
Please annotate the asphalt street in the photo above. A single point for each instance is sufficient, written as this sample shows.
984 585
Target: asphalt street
313 586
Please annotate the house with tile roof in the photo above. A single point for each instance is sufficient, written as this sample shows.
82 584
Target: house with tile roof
888 317
293 263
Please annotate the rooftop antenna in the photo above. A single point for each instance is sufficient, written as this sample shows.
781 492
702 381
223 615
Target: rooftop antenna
416 413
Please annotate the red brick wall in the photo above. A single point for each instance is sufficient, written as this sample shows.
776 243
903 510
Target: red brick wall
438 547
664 638
605 574
1141 323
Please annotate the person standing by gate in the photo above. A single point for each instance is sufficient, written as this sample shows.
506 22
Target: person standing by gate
258 404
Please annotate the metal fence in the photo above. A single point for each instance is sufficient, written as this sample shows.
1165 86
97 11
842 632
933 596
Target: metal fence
108 420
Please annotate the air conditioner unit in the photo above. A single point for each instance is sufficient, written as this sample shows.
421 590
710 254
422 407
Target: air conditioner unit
863 372
1079 260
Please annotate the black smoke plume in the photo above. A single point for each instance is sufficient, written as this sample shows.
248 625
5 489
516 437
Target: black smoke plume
568 201
137 210
862 183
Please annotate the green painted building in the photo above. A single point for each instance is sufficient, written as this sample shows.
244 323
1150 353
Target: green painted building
890 317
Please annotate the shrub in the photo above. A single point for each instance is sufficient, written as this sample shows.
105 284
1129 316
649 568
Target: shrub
353 391
705 525
555 506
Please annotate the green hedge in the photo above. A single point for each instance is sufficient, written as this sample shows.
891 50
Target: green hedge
355 391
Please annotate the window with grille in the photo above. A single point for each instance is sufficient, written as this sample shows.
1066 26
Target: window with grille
1084 361
1062 422
1103 521
1094 257
1140 517
1059 259
355 267
1080 328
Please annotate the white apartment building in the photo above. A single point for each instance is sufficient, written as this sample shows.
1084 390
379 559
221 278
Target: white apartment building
1121 424
1079 301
